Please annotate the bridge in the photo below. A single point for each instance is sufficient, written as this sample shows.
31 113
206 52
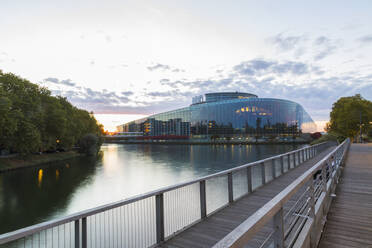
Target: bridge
349 220
281 201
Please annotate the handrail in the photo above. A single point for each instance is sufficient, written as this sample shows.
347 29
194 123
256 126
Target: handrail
246 230
23 232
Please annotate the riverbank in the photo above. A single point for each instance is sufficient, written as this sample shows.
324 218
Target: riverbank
18 162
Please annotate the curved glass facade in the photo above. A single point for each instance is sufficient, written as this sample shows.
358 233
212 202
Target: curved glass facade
240 115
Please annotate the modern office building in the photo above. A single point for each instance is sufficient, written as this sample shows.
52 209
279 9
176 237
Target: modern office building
226 115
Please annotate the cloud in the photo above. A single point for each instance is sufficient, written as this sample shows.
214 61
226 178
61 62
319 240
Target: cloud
4 57
93 100
261 66
127 93
286 43
57 81
162 94
292 44
298 81
367 39
52 80
321 40
324 47
163 68
300 45
158 67
67 82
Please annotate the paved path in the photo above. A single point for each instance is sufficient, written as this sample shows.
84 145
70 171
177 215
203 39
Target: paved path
349 220
214 228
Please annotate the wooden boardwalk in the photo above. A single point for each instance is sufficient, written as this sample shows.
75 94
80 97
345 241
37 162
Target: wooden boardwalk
349 220
209 231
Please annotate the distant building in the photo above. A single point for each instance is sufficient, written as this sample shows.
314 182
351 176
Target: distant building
226 115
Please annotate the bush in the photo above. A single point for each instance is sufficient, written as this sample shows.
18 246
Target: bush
329 137
316 135
90 144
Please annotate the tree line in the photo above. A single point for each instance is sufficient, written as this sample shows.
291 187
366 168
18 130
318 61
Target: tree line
32 120
350 117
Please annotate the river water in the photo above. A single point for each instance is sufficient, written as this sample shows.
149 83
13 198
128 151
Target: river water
34 195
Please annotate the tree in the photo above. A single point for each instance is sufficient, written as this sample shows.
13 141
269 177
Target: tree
31 120
349 115
90 144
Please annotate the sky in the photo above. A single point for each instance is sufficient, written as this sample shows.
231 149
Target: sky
124 60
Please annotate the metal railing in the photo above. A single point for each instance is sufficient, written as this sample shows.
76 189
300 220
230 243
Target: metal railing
149 219
295 217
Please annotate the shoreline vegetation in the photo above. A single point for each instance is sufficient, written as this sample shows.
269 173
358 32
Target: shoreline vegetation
34 121
32 160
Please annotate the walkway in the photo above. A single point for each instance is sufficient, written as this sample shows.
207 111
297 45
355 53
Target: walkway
214 228
349 221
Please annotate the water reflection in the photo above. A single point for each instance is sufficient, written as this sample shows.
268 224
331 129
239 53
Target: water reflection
34 195
39 194
40 177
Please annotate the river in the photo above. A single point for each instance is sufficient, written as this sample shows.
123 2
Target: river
34 195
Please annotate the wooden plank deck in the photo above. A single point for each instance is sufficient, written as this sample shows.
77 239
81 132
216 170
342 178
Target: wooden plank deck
349 220
209 231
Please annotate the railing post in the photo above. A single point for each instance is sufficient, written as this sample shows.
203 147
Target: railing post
324 177
84 232
249 178
332 164
77 234
294 160
159 218
273 168
312 212
338 155
282 164
263 176
279 229
308 153
312 151
312 198
303 155
289 161
230 187
203 200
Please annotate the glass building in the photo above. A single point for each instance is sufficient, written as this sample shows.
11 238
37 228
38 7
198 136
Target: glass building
226 115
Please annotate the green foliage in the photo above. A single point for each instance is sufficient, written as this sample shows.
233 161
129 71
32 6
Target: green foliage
328 137
31 120
347 115
90 144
